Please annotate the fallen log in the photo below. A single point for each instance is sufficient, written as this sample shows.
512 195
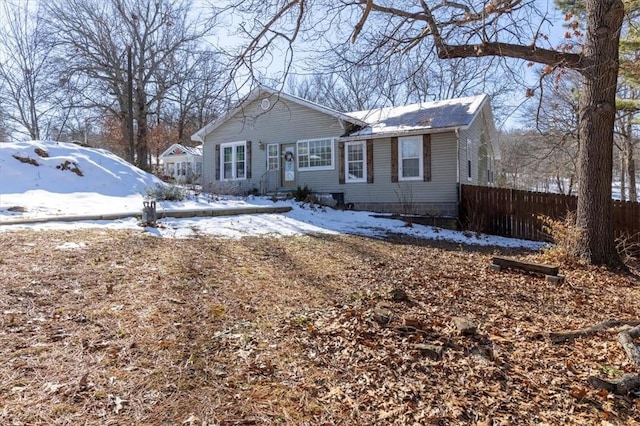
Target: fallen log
621 386
625 338
628 382
566 336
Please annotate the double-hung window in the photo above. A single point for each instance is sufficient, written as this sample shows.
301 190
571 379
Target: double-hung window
315 154
233 160
410 158
355 161
273 157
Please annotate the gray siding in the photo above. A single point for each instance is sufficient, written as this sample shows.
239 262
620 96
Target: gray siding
284 122
437 197
482 152
289 122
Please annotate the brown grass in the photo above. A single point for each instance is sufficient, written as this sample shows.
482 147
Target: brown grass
132 329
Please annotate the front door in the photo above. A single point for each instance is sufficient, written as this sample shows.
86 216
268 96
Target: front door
288 169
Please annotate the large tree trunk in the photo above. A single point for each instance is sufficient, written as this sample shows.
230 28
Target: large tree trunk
142 141
142 147
597 114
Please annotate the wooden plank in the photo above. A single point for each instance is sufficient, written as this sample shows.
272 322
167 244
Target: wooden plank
505 262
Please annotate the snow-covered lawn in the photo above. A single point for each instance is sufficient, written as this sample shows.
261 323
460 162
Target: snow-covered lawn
73 180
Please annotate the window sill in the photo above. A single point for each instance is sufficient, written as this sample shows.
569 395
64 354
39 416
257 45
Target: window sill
315 169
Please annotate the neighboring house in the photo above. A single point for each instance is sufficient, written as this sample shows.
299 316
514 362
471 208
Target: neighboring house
408 159
182 163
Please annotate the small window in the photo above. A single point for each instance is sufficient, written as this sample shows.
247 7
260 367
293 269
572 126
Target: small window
410 158
315 154
232 161
273 157
355 161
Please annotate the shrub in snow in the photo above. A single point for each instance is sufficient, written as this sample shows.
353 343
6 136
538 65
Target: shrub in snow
167 193
302 193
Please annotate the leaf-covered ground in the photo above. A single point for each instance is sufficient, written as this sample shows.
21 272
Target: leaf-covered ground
111 328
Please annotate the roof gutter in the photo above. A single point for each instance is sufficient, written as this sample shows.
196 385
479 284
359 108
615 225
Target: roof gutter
412 132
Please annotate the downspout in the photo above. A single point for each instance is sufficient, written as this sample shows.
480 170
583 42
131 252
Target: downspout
457 130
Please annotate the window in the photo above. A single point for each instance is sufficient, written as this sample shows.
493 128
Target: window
355 161
199 168
273 157
233 160
410 158
315 154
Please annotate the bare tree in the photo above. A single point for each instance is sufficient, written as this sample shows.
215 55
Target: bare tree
472 29
27 71
95 37
353 88
196 97
626 129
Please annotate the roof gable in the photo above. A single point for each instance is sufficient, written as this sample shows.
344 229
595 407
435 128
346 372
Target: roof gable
426 116
176 150
261 90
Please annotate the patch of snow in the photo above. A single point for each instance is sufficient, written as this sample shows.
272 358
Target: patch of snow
71 246
111 185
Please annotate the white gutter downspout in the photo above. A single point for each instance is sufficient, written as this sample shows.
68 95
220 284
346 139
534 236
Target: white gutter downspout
458 165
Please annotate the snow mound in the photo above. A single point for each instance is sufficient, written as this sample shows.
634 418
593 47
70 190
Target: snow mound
65 168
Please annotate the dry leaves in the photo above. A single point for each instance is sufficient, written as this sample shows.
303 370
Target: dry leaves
304 330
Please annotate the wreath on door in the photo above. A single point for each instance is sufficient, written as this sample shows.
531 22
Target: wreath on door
288 156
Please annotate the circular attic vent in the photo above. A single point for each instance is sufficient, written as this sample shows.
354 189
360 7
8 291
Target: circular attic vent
265 104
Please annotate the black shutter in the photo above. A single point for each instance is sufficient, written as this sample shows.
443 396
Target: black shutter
369 160
217 159
426 157
248 159
341 177
394 159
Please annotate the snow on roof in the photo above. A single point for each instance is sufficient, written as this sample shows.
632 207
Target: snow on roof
447 114
178 149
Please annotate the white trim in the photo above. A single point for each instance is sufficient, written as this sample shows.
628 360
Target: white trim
420 159
234 165
469 160
316 168
363 179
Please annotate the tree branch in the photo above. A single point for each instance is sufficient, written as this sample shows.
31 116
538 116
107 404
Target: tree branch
529 53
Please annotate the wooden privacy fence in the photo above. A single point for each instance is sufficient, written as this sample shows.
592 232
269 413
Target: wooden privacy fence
514 213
